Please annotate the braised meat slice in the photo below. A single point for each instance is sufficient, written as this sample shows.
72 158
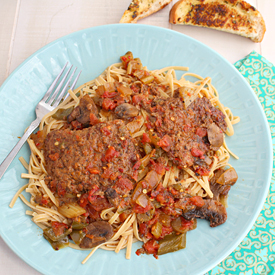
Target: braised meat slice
221 182
103 156
126 111
83 111
97 233
189 136
212 211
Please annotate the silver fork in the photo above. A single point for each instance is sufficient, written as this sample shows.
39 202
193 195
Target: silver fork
48 103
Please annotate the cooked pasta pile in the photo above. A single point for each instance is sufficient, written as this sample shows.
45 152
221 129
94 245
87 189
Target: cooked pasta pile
125 232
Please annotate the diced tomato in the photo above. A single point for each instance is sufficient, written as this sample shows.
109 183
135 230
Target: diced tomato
196 200
165 198
158 167
114 175
174 192
195 152
139 209
144 230
44 201
186 224
83 201
91 196
135 88
168 210
154 220
203 171
98 202
54 157
158 190
137 165
110 154
107 173
160 198
136 99
124 184
165 231
165 143
151 247
139 252
108 104
126 59
106 131
145 138
148 125
93 119
158 122
59 228
107 94
201 132
92 191
93 170
76 125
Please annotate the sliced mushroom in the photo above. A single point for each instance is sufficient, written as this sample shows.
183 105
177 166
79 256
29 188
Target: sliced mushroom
112 196
212 211
215 136
82 112
229 177
97 233
126 111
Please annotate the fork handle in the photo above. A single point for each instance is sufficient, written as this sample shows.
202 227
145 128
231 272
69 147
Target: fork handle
7 161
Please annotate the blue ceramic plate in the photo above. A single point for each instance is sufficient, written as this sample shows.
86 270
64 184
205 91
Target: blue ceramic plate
93 50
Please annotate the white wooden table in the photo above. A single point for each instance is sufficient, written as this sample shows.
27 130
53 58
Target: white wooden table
28 25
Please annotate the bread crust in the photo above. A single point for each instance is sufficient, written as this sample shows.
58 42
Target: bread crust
234 16
142 8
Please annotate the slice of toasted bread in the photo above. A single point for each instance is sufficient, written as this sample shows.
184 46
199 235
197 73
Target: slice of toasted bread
141 8
234 16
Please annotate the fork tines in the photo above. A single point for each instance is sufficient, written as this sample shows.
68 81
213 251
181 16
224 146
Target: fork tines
56 97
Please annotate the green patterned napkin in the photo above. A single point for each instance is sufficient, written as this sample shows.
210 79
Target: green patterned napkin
256 253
